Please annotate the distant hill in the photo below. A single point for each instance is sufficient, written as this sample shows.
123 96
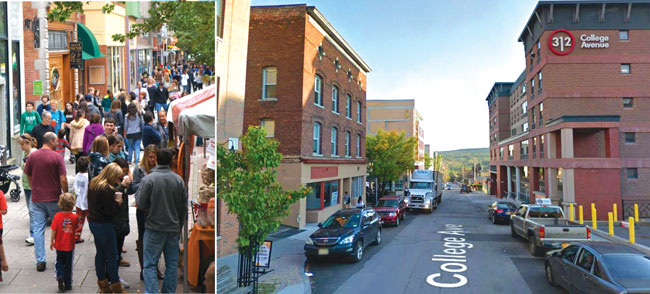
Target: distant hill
455 162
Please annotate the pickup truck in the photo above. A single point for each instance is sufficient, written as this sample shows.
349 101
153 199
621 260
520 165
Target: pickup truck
544 226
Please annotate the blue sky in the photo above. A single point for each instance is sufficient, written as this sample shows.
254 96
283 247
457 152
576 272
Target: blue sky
444 54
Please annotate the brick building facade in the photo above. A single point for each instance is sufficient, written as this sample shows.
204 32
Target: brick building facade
585 104
307 86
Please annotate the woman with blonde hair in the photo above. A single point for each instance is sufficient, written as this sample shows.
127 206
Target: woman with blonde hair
103 205
166 80
77 130
145 167
28 145
99 156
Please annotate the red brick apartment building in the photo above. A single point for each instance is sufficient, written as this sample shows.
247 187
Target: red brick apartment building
575 126
307 86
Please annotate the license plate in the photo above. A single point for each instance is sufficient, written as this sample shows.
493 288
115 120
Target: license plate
323 251
509 212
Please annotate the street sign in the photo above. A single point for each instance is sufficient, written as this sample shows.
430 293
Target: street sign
263 258
38 87
233 144
75 55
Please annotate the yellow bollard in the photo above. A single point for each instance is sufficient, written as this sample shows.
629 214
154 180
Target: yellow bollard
571 216
631 220
580 214
636 212
615 212
611 223
594 222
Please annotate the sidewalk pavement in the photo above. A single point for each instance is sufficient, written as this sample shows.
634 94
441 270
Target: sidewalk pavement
287 264
621 235
22 276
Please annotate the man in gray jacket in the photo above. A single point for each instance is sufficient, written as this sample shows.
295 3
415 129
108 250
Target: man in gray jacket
163 196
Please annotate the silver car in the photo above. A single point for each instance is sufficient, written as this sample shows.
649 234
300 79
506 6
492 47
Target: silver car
598 267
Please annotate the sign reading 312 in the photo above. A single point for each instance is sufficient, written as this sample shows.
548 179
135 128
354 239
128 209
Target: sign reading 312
561 42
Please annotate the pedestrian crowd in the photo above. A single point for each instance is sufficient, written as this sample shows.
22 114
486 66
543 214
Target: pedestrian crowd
104 135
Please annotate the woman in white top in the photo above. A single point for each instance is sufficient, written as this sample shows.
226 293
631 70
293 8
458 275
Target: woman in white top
360 203
185 81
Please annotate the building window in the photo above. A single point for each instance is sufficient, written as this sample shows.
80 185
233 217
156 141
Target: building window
511 151
628 102
524 107
57 40
358 145
524 149
331 195
630 138
269 125
539 80
314 197
318 90
335 99
348 106
524 127
523 88
623 35
96 75
322 195
532 88
541 146
626 68
534 147
501 153
337 65
321 52
541 113
317 139
358 111
269 82
347 144
335 133
539 51
632 173
16 93
532 113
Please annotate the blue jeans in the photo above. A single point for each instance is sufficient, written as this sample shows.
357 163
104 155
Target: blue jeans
134 147
160 105
40 212
156 243
28 199
106 257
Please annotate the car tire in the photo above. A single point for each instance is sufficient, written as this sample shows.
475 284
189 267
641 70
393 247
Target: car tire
358 252
377 238
512 231
549 275
532 246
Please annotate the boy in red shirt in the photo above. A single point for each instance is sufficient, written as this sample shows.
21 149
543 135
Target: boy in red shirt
63 226
62 143
3 209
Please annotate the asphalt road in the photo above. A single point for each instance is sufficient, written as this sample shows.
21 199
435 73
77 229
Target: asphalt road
479 257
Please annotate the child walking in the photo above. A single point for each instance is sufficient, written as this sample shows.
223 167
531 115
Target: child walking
81 190
63 240
62 143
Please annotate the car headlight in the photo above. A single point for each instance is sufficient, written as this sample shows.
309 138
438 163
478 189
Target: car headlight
347 240
392 214
309 241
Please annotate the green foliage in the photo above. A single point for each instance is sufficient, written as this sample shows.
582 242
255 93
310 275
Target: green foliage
191 22
246 181
390 155
428 161
458 163
63 10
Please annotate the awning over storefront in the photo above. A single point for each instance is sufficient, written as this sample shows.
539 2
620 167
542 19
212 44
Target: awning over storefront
90 47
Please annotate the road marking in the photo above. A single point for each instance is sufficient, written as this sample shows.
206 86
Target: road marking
453 258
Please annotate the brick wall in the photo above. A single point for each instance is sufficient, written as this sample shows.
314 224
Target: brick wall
100 61
608 182
31 56
637 150
228 229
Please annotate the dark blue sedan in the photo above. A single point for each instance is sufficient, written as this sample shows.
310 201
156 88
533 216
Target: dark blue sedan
500 211
345 234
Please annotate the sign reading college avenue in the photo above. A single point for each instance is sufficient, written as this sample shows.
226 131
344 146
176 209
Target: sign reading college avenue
562 42
594 41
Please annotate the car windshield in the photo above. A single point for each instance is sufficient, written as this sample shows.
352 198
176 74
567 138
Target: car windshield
420 185
545 212
387 203
342 221
506 206
635 267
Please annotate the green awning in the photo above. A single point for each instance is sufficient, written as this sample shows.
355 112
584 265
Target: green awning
89 45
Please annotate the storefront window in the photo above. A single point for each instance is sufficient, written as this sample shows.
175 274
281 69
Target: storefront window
115 69
6 120
326 193
15 68
313 199
331 193
133 75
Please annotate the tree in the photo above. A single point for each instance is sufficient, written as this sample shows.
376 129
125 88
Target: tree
428 161
390 155
192 22
246 181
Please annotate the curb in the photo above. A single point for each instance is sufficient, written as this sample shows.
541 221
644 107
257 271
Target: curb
619 240
306 283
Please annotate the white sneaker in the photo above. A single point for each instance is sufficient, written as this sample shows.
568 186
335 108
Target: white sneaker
125 285
29 241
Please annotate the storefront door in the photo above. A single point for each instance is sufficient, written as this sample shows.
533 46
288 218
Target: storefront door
60 79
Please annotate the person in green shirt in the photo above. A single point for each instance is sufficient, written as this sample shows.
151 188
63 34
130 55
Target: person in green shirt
29 119
107 100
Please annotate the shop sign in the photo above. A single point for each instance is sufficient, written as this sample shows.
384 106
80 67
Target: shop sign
263 258
75 55
38 88
561 42
594 41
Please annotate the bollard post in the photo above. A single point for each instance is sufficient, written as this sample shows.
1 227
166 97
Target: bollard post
594 222
571 216
615 212
631 220
636 212
611 223
580 214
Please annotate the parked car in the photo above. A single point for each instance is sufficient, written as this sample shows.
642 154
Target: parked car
345 234
465 189
500 211
391 209
598 267
545 226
